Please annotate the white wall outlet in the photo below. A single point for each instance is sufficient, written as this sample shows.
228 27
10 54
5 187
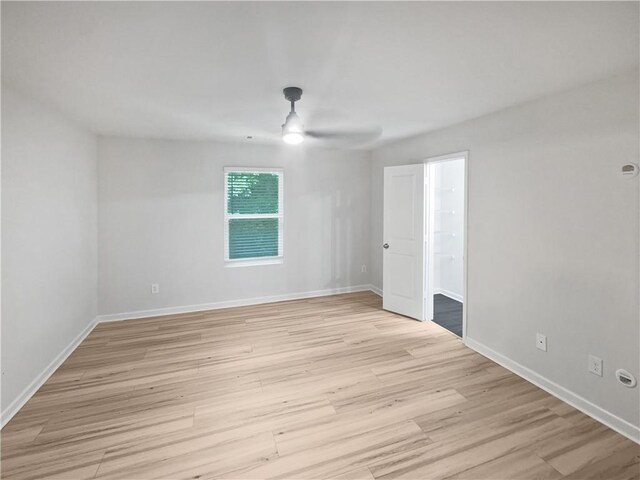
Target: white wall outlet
595 365
364 269
155 288
541 342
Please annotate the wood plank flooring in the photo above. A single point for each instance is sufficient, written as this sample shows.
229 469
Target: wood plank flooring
330 387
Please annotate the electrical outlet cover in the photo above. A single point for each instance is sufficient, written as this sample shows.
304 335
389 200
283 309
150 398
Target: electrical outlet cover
595 365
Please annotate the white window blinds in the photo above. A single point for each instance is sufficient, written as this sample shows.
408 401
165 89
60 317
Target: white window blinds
253 215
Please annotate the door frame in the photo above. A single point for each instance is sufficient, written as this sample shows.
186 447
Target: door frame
464 155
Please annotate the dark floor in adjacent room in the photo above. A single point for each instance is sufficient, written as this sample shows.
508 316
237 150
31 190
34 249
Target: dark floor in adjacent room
447 313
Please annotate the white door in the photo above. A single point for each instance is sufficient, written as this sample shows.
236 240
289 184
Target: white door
403 240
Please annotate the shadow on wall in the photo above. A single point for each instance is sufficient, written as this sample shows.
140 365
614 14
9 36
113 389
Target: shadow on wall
332 225
340 234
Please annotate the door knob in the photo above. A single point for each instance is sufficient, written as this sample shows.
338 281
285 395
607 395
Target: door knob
386 245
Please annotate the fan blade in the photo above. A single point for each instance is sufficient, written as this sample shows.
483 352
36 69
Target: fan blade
346 136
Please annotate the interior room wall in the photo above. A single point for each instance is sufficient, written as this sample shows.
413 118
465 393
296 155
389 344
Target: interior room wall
49 241
161 221
448 237
552 237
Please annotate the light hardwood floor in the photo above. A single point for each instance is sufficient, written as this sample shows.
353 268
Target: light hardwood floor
330 387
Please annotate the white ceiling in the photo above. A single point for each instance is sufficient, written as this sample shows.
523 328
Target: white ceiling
215 70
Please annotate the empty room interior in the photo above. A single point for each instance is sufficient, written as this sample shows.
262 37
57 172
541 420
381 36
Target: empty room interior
320 240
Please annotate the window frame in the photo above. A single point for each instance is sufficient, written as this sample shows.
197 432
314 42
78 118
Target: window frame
255 261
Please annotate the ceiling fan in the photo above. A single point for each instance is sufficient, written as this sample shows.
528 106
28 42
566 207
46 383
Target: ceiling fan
293 131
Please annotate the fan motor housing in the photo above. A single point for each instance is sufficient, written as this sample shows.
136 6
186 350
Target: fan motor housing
292 94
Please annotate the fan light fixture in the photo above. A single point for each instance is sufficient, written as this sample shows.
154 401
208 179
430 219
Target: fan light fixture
292 129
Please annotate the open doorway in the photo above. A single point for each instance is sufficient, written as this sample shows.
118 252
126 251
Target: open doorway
424 241
445 227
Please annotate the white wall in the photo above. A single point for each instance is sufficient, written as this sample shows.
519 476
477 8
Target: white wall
49 240
448 235
553 233
161 221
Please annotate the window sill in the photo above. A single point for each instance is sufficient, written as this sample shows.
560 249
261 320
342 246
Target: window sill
254 262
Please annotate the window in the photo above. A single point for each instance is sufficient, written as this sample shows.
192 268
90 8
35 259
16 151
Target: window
253 216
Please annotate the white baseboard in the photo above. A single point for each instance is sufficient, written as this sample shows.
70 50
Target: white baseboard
229 303
376 290
13 408
448 293
609 419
